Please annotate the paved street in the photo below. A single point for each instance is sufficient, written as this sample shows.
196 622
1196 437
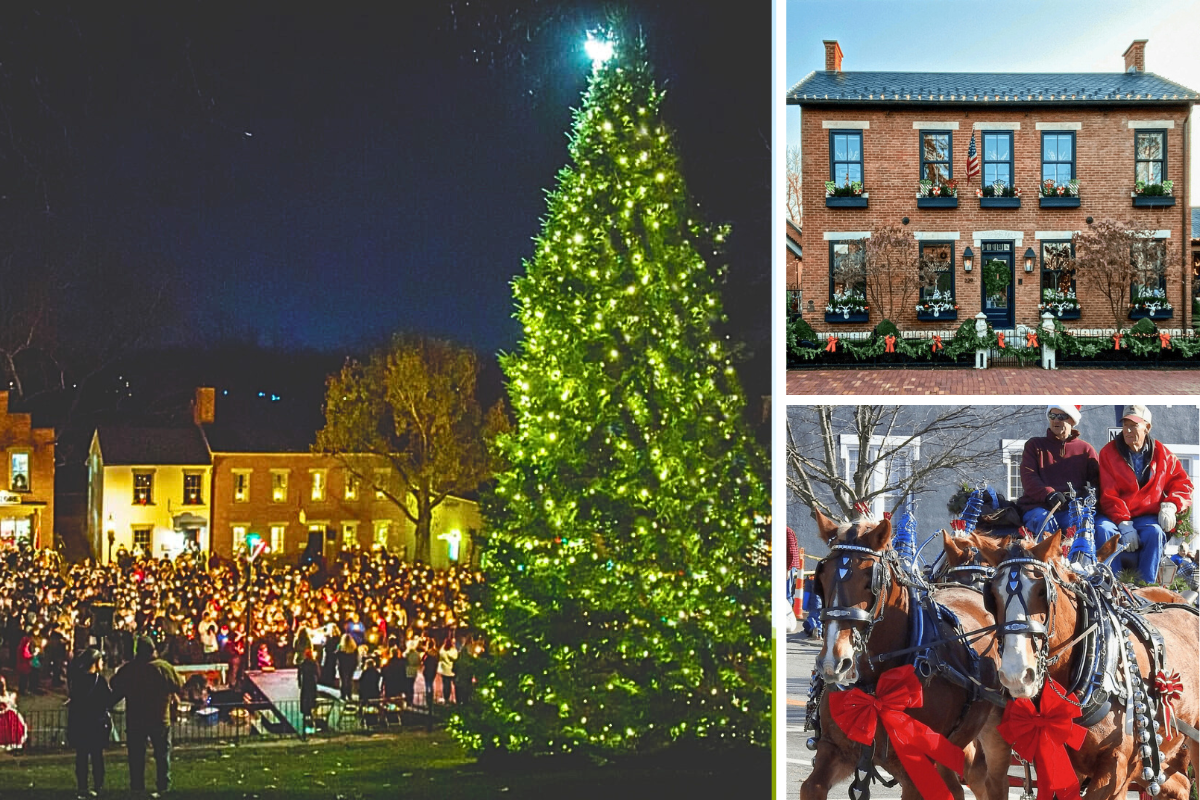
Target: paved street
993 381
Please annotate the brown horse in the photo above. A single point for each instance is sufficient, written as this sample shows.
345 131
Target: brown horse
1037 590
867 613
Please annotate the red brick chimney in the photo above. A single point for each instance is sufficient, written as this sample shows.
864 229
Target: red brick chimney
204 408
833 56
1135 56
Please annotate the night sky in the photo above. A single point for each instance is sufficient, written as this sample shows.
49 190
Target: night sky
321 179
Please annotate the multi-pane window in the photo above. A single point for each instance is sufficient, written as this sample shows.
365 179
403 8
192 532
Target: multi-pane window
142 538
318 484
1150 156
191 488
143 488
936 156
349 534
278 537
937 264
381 483
18 475
1149 263
241 486
846 160
239 535
1014 452
1058 267
383 528
279 486
351 486
889 473
846 269
997 158
1058 157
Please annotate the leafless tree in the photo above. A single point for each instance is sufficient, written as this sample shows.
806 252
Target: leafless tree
956 444
894 271
1112 256
795 201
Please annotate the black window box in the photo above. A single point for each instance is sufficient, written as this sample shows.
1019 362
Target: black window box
845 202
937 202
855 316
999 202
943 316
1162 313
1070 313
1153 201
1060 202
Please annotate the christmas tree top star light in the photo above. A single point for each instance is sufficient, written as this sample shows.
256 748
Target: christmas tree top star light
626 597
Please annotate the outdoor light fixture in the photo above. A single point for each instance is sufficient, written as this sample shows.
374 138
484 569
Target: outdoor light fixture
968 258
1030 257
598 50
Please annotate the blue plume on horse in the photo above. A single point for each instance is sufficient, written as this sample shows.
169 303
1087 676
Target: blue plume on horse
1075 515
970 514
904 539
1083 549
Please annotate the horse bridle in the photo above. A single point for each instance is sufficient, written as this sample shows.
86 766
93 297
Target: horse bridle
1028 627
881 578
978 575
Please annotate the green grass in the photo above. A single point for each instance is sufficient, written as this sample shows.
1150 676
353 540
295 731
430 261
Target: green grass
411 765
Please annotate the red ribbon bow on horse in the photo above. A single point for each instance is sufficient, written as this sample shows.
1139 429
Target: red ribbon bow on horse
1031 340
890 340
1164 341
916 744
1000 340
831 346
958 525
937 344
1170 688
1043 738
1116 341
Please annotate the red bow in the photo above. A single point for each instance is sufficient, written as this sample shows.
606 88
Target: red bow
958 524
1164 341
891 343
916 744
1170 688
1024 532
937 344
1116 341
863 509
1031 340
832 344
1000 340
1043 738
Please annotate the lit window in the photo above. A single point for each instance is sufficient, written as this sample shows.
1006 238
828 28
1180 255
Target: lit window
279 488
383 529
19 473
318 484
241 486
191 489
239 535
351 486
278 539
143 488
143 538
381 481
349 534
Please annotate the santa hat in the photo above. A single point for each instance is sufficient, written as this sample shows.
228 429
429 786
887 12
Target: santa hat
1070 409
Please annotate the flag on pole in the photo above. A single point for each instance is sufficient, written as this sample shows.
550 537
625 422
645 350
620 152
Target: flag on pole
972 158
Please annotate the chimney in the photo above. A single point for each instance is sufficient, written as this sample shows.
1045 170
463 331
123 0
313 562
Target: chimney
1135 56
204 407
833 56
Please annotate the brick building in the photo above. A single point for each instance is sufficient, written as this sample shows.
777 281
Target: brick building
795 267
26 480
887 131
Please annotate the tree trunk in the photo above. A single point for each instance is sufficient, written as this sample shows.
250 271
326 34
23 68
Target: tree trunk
423 532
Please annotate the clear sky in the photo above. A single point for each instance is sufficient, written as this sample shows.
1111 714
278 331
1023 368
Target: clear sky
970 36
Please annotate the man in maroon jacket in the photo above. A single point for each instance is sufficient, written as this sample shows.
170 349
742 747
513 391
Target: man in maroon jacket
1050 463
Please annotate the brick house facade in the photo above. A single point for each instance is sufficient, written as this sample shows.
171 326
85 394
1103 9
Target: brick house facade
26 480
886 129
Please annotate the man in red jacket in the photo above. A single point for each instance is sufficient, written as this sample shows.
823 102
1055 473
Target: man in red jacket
1143 488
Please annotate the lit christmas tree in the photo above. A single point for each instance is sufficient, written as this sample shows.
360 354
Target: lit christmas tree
626 602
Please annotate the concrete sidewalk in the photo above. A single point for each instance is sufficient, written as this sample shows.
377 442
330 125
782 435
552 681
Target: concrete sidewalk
993 381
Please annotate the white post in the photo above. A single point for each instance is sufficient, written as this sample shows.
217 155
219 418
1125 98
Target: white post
981 356
1048 361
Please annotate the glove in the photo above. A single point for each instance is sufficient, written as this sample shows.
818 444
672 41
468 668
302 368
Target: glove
1059 499
1166 516
1129 536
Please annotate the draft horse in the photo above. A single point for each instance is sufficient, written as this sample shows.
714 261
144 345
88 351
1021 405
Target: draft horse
873 609
1055 624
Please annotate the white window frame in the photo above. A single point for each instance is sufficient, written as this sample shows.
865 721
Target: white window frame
351 486
277 531
320 484
349 533
13 453
285 473
384 525
1014 452
848 443
193 473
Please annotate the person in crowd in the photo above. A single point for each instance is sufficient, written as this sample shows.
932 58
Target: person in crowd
464 670
12 725
27 664
307 675
329 659
413 656
1143 490
370 690
447 655
1054 464
394 677
89 724
347 664
147 685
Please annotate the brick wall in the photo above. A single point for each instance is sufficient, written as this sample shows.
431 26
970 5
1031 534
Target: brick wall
1104 167
17 434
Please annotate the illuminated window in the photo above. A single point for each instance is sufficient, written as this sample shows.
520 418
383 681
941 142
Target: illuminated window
241 486
19 472
383 529
279 488
143 488
278 538
318 484
453 540
349 534
381 481
191 489
143 538
239 535
351 486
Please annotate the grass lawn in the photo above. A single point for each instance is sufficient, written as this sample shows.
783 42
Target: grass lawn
409 765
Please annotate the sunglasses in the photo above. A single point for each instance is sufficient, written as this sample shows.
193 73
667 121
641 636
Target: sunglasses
1059 417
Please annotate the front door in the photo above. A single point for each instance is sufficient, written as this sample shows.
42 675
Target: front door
998 294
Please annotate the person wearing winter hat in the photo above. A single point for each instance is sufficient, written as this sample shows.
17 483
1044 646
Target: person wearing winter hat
1143 489
1053 464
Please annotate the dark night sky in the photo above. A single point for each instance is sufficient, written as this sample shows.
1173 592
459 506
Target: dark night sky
389 181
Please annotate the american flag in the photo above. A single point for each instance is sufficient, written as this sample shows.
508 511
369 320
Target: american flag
972 158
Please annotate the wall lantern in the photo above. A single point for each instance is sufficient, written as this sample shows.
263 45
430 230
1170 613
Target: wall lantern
1030 257
968 258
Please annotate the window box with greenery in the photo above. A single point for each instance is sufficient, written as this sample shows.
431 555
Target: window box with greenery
847 306
850 195
999 195
1062 304
1058 280
1060 195
937 306
1147 302
937 194
935 299
1153 195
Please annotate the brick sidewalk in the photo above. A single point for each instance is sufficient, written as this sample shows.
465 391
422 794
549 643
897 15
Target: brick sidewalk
993 381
